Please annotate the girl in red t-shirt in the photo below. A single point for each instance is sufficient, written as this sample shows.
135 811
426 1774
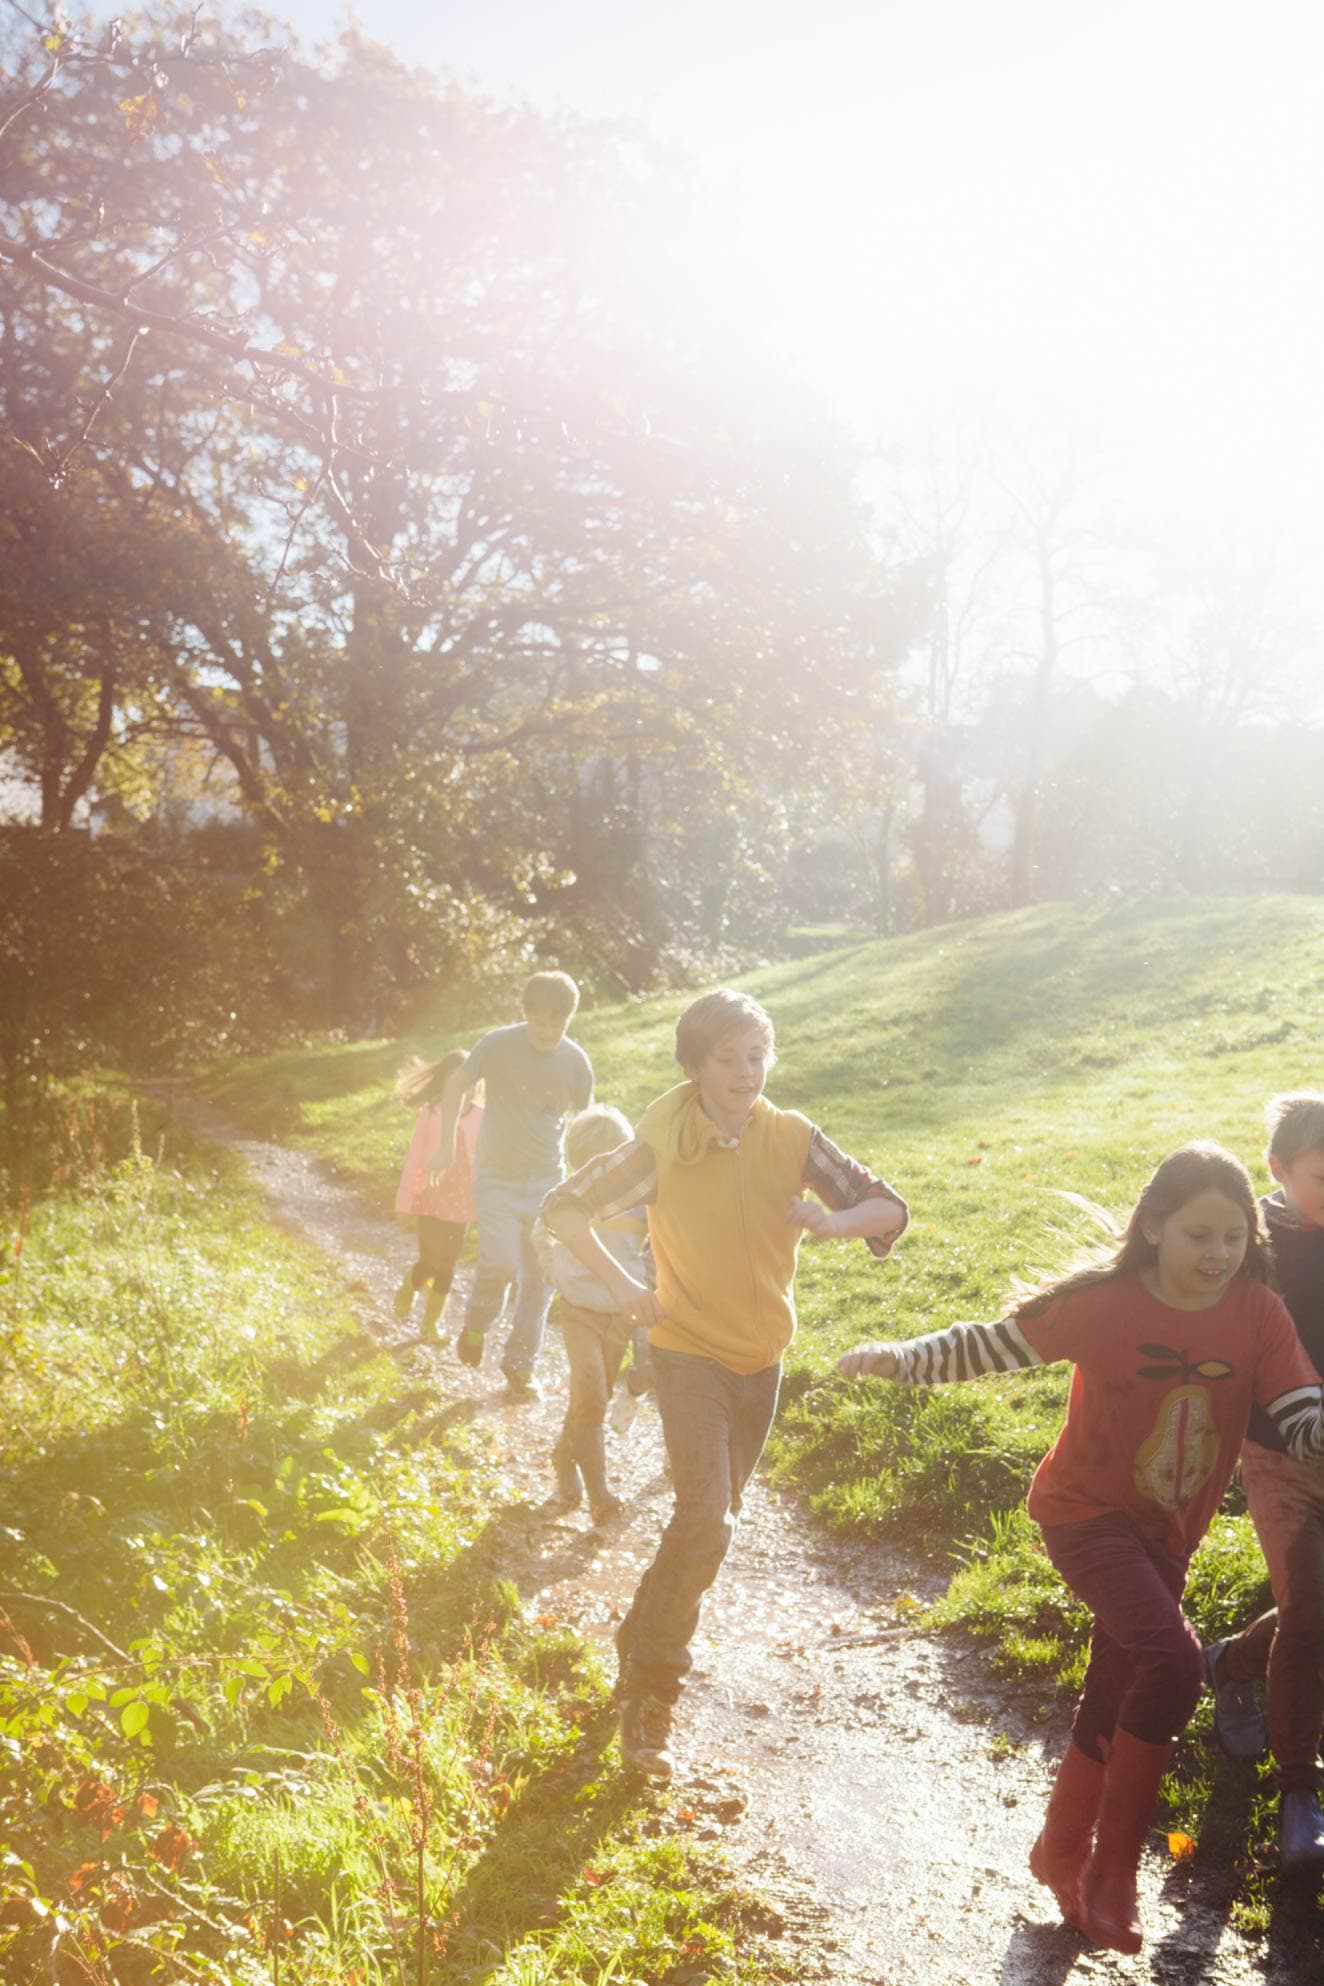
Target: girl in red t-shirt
442 1208
1173 1336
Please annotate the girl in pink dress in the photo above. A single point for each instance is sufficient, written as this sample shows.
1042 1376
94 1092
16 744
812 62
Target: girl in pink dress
441 1211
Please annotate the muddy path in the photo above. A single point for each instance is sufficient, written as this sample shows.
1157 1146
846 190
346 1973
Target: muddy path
874 1784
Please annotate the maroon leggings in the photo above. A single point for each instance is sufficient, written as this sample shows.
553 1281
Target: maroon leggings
1146 1666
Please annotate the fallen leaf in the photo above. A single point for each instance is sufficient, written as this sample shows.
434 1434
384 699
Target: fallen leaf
1181 1847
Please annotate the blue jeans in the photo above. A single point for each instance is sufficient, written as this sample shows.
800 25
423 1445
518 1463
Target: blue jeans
715 1423
506 1210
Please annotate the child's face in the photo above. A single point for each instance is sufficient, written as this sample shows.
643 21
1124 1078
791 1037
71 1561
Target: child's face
545 1030
732 1074
1200 1249
1302 1181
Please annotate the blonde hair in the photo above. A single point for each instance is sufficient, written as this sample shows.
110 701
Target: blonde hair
1182 1174
1295 1122
419 1082
596 1130
711 1017
553 993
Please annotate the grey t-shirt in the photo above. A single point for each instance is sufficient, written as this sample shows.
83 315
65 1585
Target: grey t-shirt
529 1095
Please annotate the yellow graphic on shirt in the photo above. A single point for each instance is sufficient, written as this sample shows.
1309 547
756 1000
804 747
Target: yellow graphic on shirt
1180 1455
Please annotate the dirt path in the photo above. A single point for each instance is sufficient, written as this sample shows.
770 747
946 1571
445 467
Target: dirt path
873 1783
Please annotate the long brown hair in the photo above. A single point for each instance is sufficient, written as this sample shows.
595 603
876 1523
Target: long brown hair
422 1083
1182 1174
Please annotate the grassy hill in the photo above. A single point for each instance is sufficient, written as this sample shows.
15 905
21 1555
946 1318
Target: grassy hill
984 1068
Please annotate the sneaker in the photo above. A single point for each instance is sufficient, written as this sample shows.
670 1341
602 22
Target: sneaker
520 1382
469 1347
645 1728
403 1300
1237 1718
606 1510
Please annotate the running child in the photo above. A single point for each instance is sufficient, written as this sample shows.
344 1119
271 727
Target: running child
533 1077
596 1333
441 1206
1174 1338
725 1177
1286 1500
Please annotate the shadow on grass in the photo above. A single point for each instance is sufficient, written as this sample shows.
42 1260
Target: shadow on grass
545 1844
480 1586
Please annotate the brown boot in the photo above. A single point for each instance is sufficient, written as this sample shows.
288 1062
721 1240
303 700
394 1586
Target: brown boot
1109 1914
1059 1856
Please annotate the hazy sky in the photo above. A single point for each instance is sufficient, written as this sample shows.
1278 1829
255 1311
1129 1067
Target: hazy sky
1107 208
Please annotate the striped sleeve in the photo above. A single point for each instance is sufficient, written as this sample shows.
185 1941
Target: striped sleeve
1298 1417
964 1351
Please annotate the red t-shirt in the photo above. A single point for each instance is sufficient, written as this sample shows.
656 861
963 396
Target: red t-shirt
1159 1402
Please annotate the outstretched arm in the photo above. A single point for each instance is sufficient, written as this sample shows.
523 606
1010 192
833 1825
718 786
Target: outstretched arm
963 1351
606 1186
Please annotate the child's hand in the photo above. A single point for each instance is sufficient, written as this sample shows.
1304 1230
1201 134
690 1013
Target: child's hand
640 1306
439 1163
811 1215
878 1361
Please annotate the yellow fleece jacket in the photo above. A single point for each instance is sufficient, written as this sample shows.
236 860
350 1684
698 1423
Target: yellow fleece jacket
724 1255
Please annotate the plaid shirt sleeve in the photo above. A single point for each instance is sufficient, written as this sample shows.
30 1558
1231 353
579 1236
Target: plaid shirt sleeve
843 1182
608 1185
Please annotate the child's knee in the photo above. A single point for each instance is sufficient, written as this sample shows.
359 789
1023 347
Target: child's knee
1184 1676
1301 1622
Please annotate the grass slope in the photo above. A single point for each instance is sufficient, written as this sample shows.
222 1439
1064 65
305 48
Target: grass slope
265 1700
984 1068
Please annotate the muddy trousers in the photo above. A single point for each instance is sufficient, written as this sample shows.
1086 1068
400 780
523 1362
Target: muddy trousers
1146 1665
714 1423
1286 1501
595 1344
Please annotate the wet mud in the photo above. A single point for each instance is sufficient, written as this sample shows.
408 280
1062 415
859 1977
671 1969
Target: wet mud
877 1787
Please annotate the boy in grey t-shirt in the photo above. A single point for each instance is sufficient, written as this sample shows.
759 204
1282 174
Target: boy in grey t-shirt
533 1078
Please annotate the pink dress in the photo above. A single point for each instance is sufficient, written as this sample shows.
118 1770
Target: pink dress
452 1199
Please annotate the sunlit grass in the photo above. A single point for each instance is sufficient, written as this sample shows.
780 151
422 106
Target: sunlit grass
264 1686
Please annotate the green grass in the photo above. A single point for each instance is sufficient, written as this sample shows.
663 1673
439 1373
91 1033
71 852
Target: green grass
262 1684
983 1068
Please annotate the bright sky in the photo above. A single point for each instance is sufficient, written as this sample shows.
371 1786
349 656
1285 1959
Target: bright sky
1105 207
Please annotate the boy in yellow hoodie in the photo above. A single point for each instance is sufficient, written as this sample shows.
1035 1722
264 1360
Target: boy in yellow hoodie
725 1177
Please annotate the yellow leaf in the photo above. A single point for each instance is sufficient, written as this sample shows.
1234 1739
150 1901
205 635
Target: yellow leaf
139 115
1181 1847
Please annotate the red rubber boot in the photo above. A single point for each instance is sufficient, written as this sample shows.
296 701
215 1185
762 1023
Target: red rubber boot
1109 1912
1058 1857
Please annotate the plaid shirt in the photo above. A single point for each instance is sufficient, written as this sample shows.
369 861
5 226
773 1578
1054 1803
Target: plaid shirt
627 1178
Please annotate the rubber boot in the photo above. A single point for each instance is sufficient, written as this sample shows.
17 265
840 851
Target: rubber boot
1109 1914
1058 1857
434 1302
568 1489
1301 1834
591 1455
